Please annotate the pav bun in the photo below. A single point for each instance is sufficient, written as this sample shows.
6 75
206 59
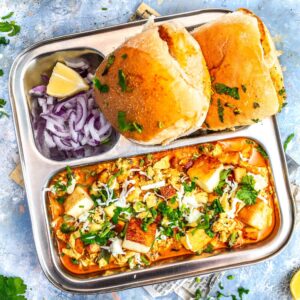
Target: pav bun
155 86
246 76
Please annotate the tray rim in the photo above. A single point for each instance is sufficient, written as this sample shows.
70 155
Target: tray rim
75 162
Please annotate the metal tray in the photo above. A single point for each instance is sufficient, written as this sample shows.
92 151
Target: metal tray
37 169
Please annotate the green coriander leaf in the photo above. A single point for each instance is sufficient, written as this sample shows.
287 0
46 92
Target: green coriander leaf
1 72
197 279
103 88
246 192
209 248
2 103
104 8
110 61
220 111
124 56
262 151
124 125
189 188
198 294
223 176
244 88
12 288
230 277
122 81
15 30
224 89
282 91
74 261
256 105
255 120
4 41
221 286
242 291
8 15
288 140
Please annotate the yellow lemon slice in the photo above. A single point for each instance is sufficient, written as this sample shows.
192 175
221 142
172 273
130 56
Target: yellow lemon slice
65 82
295 286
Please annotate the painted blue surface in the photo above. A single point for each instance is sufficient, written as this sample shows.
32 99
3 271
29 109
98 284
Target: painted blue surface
44 19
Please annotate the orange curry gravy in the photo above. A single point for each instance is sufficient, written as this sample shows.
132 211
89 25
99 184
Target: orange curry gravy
134 211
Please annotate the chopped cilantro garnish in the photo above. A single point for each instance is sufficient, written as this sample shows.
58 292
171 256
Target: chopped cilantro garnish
262 151
197 279
227 104
11 28
221 286
230 277
209 248
12 288
256 105
145 260
67 228
216 206
103 88
2 111
122 81
189 188
124 125
1 72
110 61
246 192
60 200
223 176
242 291
210 233
4 41
224 89
281 92
160 124
249 142
198 294
244 88
233 239
288 140
255 120
124 56
236 111
74 261
99 238
220 111
9 15
104 8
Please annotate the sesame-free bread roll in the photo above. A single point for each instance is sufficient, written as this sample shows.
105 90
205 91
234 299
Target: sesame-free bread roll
246 76
155 87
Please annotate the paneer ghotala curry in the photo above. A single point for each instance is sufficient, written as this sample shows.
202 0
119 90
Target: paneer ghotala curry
134 211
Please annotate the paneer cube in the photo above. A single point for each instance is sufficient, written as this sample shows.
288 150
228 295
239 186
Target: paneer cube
138 240
239 173
162 164
195 240
78 203
258 215
109 211
206 173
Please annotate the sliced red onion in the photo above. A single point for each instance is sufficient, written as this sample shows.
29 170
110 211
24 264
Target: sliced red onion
70 128
39 90
77 63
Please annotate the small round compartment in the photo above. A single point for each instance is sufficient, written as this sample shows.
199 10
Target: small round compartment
43 65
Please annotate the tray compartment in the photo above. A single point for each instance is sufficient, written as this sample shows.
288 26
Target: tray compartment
43 65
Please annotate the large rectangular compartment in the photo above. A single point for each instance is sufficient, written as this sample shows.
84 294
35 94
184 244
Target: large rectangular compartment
37 169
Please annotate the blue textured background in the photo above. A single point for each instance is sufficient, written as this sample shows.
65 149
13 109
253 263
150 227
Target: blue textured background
44 19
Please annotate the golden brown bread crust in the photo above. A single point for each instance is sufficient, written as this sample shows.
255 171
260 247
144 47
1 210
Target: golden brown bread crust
168 85
240 54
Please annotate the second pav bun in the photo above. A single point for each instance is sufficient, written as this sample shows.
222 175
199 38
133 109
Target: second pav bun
246 75
157 85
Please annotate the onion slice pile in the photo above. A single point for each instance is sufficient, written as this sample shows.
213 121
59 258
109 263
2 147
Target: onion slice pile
71 128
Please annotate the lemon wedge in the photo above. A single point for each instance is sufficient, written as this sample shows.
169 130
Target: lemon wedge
295 286
65 82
